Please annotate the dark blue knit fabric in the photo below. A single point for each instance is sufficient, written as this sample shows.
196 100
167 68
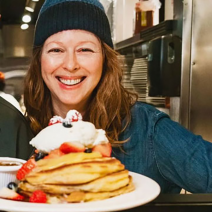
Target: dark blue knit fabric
59 15
51 3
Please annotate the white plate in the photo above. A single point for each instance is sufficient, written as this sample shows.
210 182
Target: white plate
145 191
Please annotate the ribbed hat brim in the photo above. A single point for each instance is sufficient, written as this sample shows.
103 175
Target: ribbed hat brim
72 15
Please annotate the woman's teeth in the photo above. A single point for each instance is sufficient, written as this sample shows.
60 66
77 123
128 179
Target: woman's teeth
70 81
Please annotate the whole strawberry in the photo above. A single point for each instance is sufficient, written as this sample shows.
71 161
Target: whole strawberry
25 169
38 196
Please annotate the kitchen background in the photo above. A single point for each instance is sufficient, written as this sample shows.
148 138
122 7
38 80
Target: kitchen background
168 62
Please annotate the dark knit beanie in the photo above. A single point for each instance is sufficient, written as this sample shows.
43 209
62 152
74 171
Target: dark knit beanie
59 15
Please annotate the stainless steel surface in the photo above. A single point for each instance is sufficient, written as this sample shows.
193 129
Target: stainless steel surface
196 92
186 62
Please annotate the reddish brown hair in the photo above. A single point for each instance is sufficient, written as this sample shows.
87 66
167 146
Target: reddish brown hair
109 105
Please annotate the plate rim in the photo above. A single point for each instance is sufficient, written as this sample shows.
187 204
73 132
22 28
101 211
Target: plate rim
5 204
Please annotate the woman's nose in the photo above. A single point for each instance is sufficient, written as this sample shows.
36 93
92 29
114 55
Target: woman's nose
70 62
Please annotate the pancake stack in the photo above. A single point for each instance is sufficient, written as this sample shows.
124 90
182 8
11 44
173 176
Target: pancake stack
78 177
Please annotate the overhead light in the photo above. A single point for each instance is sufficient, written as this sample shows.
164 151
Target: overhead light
35 0
26 18
24 26
30 6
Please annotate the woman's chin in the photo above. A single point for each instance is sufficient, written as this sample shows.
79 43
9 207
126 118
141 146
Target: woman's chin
69 103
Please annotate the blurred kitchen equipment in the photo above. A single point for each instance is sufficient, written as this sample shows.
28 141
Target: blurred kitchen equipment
164 66
145 10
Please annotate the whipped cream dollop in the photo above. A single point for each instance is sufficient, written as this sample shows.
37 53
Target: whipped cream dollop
53 136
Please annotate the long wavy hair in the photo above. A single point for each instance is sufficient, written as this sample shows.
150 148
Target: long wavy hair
110 102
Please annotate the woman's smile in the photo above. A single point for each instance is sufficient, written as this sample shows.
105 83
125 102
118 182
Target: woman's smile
70 81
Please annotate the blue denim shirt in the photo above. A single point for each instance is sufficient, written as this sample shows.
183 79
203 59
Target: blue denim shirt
165 151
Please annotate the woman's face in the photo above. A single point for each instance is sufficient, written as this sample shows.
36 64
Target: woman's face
71 66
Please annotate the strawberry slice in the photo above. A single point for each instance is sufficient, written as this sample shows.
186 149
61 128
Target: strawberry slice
55 120
56 153
73 116
69 147
7 193
25 169
38 196
104 149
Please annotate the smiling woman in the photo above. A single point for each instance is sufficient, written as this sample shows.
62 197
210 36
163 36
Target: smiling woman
71 66
74 66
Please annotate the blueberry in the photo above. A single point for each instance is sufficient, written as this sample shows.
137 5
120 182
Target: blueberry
13 186
88 150
67 124
40 155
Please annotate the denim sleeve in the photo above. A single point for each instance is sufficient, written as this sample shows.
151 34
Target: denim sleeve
182 158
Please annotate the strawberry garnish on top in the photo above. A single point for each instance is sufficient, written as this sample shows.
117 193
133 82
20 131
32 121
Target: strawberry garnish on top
55 120
56 153
25 169
104 149
69 147
73 116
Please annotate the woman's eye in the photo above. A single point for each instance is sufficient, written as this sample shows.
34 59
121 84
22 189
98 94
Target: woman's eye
55 50
86 50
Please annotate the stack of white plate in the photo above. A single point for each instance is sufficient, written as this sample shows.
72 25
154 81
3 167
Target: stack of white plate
126 62
157 101
139 80
139 77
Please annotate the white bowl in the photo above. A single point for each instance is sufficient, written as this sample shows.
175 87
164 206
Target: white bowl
8 173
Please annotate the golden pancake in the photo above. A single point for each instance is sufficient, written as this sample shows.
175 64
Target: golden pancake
83 196
76 173
68 159
109 182
79 196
